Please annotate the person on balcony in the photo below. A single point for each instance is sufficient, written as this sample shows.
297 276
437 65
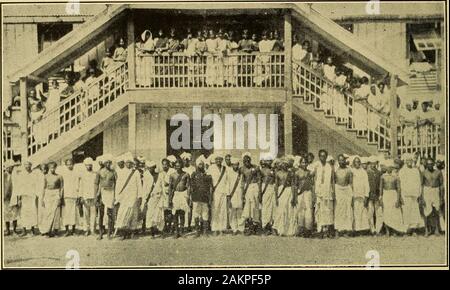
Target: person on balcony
278 44
36 105
120 53
145 64
329 72
188 45
409 120
68 90
173 46
385 94
341 87
222 52
160 47
359 110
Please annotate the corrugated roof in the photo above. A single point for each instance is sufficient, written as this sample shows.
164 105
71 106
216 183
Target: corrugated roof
49 10
388 10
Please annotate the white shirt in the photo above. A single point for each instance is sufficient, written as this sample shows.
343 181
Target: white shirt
410 181
71 182
87 184
215 173
360 183
328 72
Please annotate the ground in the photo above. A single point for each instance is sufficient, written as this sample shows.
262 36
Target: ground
222 250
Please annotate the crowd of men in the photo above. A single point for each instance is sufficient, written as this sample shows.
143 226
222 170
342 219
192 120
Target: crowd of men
288 196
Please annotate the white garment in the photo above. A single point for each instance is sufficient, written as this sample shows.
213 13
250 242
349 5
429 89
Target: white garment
71 182
87 184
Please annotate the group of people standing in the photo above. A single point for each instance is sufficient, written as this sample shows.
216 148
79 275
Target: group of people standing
288 196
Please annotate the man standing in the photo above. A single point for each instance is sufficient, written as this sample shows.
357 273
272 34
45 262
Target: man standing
201 195
128 191
105 183
440 165
88 193
179 195
236 198
52 201
268 197
304 184
219 208
361 191
433 195
153 187
375 211
10 212
286 199
343 215
411 187
70 194
324 190
251 189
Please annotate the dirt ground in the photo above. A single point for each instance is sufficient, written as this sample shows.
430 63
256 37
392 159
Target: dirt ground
224 250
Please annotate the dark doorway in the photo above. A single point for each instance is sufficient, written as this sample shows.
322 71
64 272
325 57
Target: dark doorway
194 152
92 148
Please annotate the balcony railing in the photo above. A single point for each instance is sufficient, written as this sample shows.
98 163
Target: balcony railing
81 105
204 71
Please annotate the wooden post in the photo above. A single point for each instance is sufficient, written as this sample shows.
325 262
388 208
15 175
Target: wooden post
394 116
287 108
132 127
131 50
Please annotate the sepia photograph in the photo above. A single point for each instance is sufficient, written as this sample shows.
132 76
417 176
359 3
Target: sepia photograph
224 135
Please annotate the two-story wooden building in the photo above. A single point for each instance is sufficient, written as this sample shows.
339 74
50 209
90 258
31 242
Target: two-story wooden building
134 102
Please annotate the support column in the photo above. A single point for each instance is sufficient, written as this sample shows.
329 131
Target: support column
394 119
132 127
131 50
287 108
23 89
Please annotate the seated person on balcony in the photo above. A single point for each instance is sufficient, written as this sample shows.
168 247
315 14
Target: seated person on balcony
161 42
245 44
36 105
211 61
120 54
147 43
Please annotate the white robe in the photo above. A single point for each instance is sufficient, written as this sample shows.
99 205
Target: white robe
71 180
361 191
410 184
127 198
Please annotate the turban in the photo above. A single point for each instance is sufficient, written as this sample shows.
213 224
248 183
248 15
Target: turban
330 158
364 160
440 157
9 163
171 158
200 159
407 156
107 157
119 158
372 159
150 164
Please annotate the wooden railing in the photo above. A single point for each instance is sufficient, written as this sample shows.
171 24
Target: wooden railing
178 70
360 116
78 107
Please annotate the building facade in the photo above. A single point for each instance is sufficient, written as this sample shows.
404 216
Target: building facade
130 106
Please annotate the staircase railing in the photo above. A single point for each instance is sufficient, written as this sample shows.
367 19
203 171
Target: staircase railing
178 70
81 105
368 123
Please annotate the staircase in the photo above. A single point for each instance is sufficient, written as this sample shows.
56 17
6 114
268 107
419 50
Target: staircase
81 116
316 100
